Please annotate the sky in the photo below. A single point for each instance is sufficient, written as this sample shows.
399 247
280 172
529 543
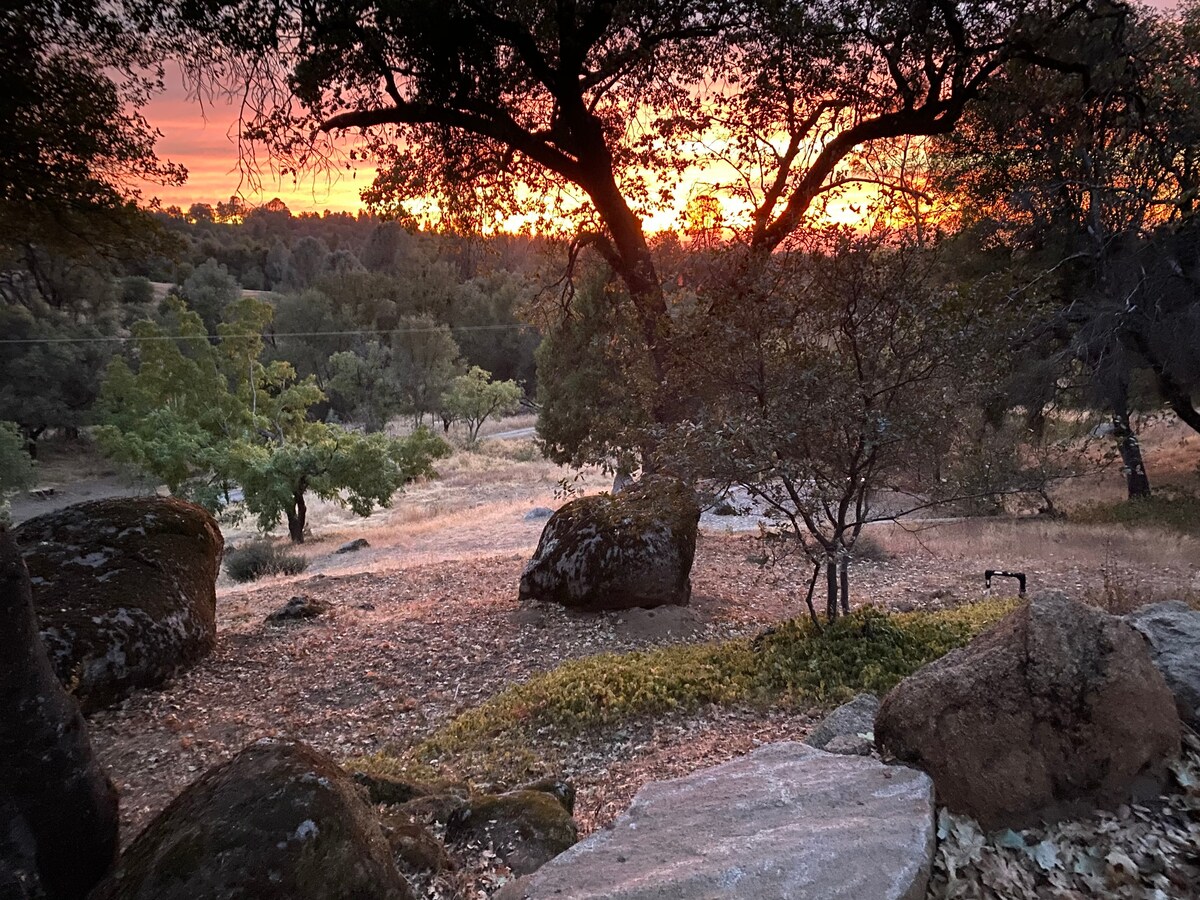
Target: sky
203 138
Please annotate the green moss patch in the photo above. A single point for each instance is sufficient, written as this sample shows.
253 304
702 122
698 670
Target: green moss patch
507 738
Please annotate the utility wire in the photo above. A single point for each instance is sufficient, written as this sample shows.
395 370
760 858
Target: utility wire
270 334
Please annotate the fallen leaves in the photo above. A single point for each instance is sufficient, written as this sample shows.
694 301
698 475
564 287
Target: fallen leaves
1139 851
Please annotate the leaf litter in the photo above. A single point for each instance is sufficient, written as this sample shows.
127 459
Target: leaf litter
1140 851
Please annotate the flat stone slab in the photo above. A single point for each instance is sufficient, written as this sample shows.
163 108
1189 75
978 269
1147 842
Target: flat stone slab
786 821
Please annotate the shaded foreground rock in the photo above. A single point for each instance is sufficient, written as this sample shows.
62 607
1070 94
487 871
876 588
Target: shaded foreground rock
526 828
277 821
414 846
1054 711
618 551
1172 630
786 821
849 722
125 592
58 810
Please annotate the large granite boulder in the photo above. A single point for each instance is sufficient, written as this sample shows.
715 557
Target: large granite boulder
786 821
125 592
277 822
1172 630
58 810
1055 710
525 828
618 551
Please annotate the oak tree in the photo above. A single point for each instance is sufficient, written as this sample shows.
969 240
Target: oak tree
590 112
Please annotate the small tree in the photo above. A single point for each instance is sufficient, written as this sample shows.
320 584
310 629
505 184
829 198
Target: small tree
473 398
16 468
424 362
351 469
209 291
365 386
205 418
854 378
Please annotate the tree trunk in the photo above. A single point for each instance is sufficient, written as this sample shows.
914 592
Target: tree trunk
808 598
845 580
831 585
1136 480
296 516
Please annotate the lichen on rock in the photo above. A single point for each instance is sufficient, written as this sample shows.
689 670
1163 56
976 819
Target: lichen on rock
618 551
125 592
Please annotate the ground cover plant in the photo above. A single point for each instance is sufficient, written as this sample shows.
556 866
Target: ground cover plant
796 664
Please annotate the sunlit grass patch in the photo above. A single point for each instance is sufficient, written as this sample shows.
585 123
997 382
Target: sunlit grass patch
506 738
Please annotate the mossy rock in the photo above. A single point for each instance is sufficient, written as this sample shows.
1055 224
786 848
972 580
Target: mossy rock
526 828
562 791
618 551
125 592
414 846
387 790
278 821
439 807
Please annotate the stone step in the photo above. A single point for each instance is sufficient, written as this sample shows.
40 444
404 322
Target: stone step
786 821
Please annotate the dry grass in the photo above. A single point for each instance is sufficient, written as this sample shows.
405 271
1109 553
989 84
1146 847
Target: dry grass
1013 542
475 507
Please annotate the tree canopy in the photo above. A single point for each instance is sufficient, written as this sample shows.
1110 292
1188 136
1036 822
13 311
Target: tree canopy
75 140
1086 183
595 110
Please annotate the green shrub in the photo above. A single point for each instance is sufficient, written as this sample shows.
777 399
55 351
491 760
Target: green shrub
794 663
865 651
258 559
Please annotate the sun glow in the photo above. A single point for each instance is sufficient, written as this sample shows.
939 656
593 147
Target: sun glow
204 138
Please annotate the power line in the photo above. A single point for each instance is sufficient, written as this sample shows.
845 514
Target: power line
276 334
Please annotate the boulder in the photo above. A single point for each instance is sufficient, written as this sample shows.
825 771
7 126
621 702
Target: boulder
277 821
850 745
849 722
1172 631
786 821
58 810
387 790
298 608
562 791
618 551
1054 711
414 846
525 828
125 591
538 513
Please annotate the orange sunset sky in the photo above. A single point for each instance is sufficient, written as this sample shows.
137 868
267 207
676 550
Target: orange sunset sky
203 137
